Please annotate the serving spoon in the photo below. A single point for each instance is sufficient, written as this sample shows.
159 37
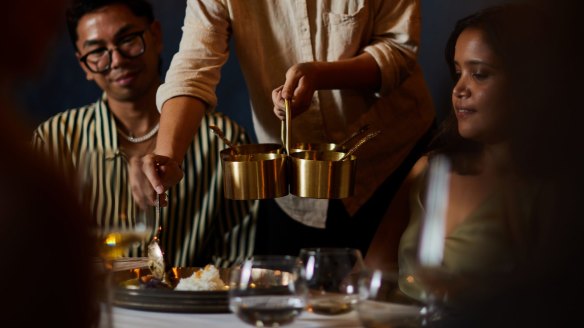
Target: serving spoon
362 141
220 134
352 137
157 265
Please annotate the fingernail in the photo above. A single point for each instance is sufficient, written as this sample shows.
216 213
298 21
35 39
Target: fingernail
159 189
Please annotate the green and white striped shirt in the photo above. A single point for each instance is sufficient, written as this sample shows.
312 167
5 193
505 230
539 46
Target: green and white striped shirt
199 225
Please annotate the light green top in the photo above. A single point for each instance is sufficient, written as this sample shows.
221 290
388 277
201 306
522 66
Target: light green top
480 246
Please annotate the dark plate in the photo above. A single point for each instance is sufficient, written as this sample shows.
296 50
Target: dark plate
128 294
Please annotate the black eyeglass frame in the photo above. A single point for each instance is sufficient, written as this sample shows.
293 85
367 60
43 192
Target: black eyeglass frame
140 34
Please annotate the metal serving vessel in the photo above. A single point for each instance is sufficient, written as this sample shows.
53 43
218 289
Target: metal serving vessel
254 171
322 174
311 170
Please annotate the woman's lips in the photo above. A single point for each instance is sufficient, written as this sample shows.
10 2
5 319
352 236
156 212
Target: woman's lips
462 112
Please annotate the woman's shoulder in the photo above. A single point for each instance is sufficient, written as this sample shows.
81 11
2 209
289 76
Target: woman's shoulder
419 167
418 172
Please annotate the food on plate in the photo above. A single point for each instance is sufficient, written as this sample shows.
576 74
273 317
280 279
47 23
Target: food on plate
151 282
206 279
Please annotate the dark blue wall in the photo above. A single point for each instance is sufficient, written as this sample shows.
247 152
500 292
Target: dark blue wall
62 85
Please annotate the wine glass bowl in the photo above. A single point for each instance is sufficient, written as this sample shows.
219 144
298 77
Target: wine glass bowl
332 276
268 291
383 304
115 241
121 223
429 279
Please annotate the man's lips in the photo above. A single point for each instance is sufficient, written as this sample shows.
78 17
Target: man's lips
125 78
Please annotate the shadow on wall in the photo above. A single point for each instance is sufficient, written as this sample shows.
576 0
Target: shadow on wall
63 84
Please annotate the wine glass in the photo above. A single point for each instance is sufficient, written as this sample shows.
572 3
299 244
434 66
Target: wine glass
268 291
431 278
121 223
332 276
383 304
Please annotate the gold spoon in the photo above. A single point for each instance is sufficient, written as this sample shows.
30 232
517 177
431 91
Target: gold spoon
286 126
156 259
368 137
220 134
157 265
352 137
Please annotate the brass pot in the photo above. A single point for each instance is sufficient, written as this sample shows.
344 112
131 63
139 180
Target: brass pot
253 149
301 146
321 174
254 171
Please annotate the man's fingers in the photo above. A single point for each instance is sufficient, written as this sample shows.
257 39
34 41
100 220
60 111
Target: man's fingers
277 96
280 113
150 167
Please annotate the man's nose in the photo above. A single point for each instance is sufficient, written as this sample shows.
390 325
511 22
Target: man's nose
116 58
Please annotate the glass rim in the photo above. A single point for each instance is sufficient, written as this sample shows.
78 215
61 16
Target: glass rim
270 257
330 250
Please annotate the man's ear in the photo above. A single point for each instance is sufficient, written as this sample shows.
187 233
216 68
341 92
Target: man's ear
88 73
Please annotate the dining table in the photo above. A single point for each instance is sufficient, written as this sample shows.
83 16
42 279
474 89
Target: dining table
151 313
131 318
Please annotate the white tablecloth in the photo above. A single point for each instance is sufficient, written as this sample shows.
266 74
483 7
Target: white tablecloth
126 318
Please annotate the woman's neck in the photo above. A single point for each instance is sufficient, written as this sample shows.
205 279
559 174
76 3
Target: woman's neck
496 159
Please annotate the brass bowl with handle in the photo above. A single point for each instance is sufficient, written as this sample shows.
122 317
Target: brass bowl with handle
302 146
254 171
322 174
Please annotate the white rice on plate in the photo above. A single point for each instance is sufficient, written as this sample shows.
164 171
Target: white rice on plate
206 279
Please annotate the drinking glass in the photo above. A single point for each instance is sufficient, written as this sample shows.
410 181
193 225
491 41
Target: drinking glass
432 279
268 291
121 224
332 276
383 304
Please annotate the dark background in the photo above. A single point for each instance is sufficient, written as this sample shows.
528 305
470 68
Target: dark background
62 84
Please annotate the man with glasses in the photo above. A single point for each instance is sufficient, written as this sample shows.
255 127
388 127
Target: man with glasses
100 59
118 44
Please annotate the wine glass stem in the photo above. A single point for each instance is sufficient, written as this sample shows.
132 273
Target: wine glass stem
108 321
433 312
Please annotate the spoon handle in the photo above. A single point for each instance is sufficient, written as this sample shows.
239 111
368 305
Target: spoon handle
368 137
288 124
220 134
352 137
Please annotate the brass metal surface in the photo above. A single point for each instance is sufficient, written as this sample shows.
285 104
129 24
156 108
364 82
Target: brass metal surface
250 149
301 146
321 174
259 171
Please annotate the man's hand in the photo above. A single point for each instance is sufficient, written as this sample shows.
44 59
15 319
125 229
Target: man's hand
142 191
300 85
302 80
162 172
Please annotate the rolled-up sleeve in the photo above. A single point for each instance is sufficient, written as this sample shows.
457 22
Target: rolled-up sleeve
395 41
196 68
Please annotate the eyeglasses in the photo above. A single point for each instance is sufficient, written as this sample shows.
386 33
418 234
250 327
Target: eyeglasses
100 60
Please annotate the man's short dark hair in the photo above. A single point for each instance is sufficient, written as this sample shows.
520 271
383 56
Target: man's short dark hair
80 8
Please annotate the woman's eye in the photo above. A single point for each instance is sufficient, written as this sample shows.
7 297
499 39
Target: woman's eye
479 76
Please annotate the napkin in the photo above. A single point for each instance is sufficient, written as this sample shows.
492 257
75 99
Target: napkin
309 211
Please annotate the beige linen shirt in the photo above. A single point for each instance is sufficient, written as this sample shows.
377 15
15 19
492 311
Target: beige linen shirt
271 36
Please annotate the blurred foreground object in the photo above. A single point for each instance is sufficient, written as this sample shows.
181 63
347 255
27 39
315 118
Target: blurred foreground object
46 262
